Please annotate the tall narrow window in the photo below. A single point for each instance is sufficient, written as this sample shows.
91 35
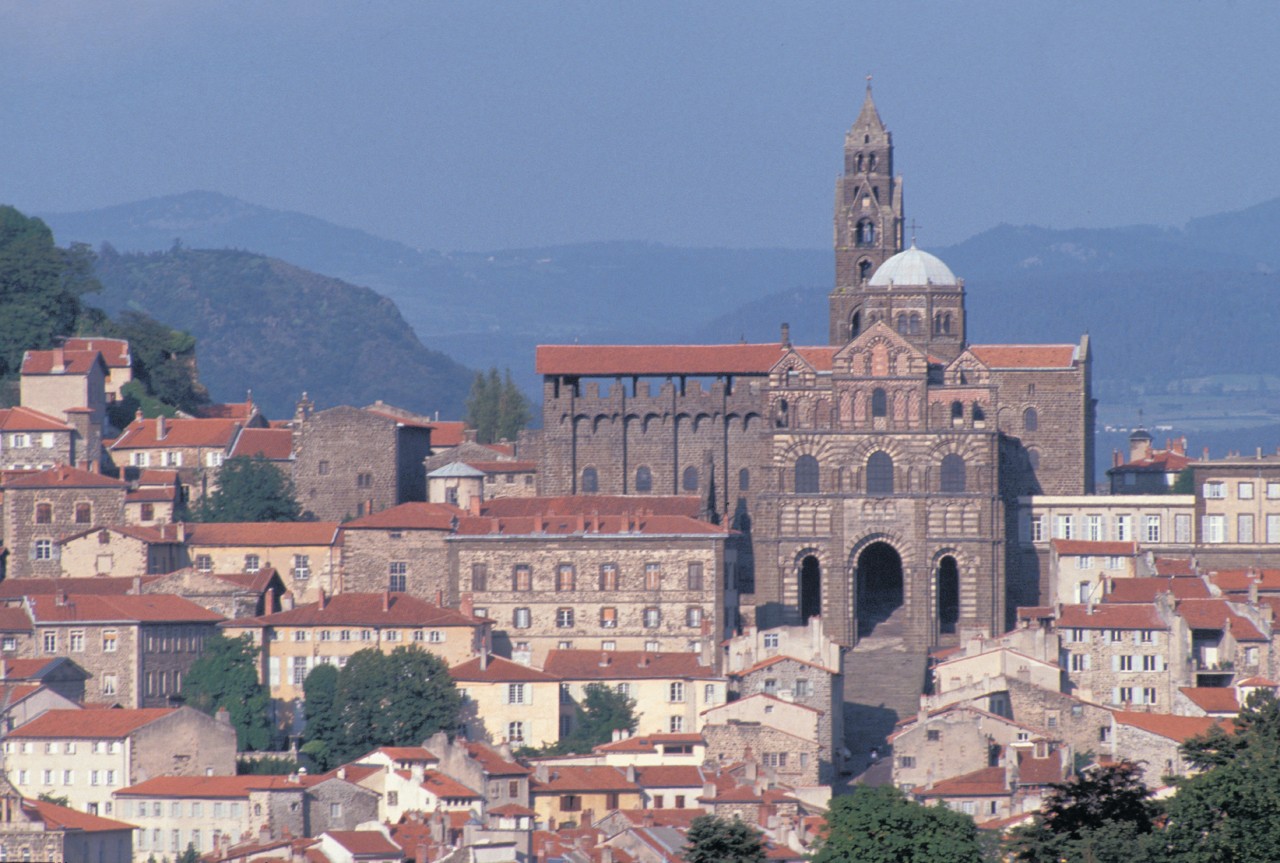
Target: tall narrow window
880 473
566 578
1030 420
644 479
879 402
608 576
952 473
902 324
957 412
744 480
690 481
806 475
590 481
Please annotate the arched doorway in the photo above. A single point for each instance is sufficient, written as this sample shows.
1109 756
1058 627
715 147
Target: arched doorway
948 595
810 588
879 586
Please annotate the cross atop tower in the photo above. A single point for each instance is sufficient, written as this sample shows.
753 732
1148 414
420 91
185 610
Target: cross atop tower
913 226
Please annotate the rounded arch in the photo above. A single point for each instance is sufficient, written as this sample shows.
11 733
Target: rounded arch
957 411
1030 420
590 481
947 588
866 232
1033 456
865 269
809 576
951 474
879 402
855 321
689 479
644 479
649 420
879 476
806 475
744 479
879 584
913 324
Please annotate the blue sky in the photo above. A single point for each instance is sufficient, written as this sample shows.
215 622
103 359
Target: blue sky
486 125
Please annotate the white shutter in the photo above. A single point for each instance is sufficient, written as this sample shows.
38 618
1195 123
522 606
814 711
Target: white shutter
1088 660
528 693
506 693
274 672
1115 695
1162 663
1115 662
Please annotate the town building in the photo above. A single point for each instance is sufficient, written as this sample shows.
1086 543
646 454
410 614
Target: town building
1237 509
1148 470
401 549
69 385
44 507
122 551
117 358
30 440
307 555
195 448
32 829
507 703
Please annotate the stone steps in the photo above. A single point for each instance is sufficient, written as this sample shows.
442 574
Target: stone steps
883 681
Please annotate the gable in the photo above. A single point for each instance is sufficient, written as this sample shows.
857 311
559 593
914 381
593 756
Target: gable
967 369
878 351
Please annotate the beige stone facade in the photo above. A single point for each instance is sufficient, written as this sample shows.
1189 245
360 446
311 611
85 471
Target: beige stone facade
505 702
121 551
307 555
1237 508
38 830
42 508
402 549
71 386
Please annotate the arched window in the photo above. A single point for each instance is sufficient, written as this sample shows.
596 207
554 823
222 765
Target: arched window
957 411
937 323
864 270
806 475
744 480
866 233
946 323
859 161
979 415
871 162
880 473
915 325
879 403
1033 456
952 474
855 323
902 323
690 479
644 479
590 480
1030 420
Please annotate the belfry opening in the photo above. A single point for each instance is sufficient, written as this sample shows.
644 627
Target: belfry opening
948 595
879 586
810 588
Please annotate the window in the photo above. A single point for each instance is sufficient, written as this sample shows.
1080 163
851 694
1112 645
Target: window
44 513
252 563
564 618
520 618
653 576
771 686
1215 490
590 480
299 670
1084 562
675 725
957 413
1214 528
77 641
393 798
1244 491
479 577
20 440
906 761
322 467
1079 662
1037 528
9 643
1152 532
399 576
806 475
302 566
879 403
952 474
515 732
522 577
50 641
335 810
204 563
1064 527
1124 662
1151 663
213 459
1124 531
140 459
566 577
609 618
608 576
644 479
148 512
1273 528
1093 530
693 617
1030 420
299 635
1273 490
880 473
695 576
84 513
1244 527
689 482
652 618
1182 528
771 641
364 480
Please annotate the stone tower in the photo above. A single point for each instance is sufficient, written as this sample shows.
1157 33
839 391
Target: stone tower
868 216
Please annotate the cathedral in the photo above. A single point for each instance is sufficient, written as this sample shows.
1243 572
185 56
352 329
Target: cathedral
872 479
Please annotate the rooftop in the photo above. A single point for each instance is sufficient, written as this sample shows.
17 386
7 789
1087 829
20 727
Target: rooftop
105 724
125 608
364 609
262 533
63 476
623 665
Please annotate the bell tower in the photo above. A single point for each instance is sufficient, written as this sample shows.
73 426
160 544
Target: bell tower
868 217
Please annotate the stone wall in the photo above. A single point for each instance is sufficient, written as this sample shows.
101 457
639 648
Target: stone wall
21 532
184 743
735 742
823 691
367 555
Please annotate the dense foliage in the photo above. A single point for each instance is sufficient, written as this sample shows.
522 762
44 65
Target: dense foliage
496 408
226 675
880 825
1099 816
722 840
602 711
377 699
250 489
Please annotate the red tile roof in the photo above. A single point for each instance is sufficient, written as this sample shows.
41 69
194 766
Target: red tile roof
1240 580
59 362
1216 614
115 352
269 443
26 419
158 476
987 782
444 786
26 669
447 432
1212 699
263 533
774 660
409 516
161 534
1083 547
364 609
1040 771
103 585
1111 616
63 476
511 810
601 504
180 432
57 817
14 618
493 762
623 665
242 411
1177 728
1174 566
208 787
406 753
499 670
1159 461
619 525
147 608
679 818
612 360
650 742
1146 589
563 779
90 723
670 776
364 842
1025 356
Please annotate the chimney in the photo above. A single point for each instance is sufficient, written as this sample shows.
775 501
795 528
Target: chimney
386 600
439 599
786 335
161 428
59 361
324 599
473 505
417 772
182 531
1116 460
60 598
467 605
286 601
604 659
484 660
708 789
631 773
136 590
264 834
342 772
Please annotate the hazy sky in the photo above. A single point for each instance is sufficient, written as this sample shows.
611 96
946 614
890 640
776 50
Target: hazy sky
485 125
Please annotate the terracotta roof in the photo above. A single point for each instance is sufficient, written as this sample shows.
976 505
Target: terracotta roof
987 782
446 432
1177 728
254 581
607 525
152 495
562 779
1025 356
364 609
242 411
623 665
1174 566
504 466
1257 681
63 476
1215 614
406 753
57 817
27 669
774 660
159 534
763 695
1241 580
207 786
26 419
115 352
736 794
147 608
650 742
1111 616
511 810
1159 461
593 504
262 533
444 786
499 670
179 432
1083 547
1040 771
14 618
101 585
493 762
59 362
269 443
661 817
1146 589
90 723
158 476
1212 699
612 360
409 516
670 776
364 842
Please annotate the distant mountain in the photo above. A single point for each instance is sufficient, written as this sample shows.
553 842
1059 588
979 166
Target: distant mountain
268 325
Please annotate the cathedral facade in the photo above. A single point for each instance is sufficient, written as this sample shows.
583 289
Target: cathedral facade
873 478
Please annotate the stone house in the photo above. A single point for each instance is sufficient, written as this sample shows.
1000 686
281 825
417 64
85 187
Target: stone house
952 741
581 794
1013 788
625 582
30 440
1148 470
232 595
1237 508
808 684
1227 639
647 750
117 358
69 385
57 674
38 830
86 755
671 786
505 702
670 690
1155 740
42 508
136 648
359 846
1082 725
780 737
401 549
1081 571
349 462
195 448
508 478
154 498
307 555
455 484
121 550
273 444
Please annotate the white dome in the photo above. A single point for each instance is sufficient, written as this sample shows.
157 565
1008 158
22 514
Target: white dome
913 267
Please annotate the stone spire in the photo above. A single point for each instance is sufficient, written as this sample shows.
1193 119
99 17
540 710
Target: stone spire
869 118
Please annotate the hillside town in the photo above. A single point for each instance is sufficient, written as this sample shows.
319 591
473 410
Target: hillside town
730 580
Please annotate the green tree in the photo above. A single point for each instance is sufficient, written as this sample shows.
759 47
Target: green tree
381 699
250 489
56 799
1185 483
226 675
1097 817
320 691
722 840
603 710
880 825
191 855
496 408
514 411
